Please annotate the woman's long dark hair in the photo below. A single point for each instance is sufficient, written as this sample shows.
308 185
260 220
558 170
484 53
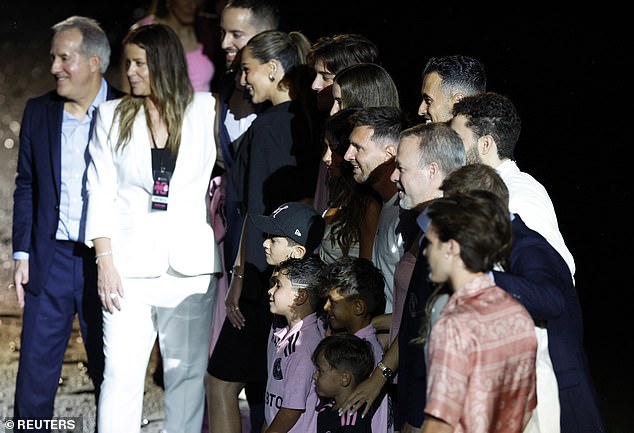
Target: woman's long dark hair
170 89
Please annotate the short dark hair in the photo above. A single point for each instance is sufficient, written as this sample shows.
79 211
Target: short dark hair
342 50
387 122
492 114
265 13
347 352
472 177
480 222
308 274
459 73
358 278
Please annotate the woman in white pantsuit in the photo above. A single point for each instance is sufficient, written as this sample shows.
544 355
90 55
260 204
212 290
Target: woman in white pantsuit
151 159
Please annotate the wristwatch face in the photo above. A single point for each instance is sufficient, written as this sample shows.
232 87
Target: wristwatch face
386 371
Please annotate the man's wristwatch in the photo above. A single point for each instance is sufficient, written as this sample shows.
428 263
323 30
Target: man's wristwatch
385 370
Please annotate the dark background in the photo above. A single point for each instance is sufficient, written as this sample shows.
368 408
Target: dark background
568 71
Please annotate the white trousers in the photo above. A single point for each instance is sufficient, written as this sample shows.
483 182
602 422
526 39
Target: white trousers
545 418
547 389
184 333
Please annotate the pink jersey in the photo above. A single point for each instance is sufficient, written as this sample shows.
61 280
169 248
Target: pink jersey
481 371
382 420
290 384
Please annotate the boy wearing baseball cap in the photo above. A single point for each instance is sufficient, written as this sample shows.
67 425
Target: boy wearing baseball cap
291 231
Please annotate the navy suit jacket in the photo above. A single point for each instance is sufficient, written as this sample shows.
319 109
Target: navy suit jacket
412 369
38 183
540 279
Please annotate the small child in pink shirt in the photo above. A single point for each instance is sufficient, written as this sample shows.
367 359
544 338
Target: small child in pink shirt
342 361
295 294
354 295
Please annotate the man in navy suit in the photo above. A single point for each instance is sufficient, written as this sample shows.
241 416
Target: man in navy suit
55 273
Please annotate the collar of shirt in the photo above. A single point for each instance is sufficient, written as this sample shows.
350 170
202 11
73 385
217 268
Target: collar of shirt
366 332
478 284
423 221
285 332
102 95
507 168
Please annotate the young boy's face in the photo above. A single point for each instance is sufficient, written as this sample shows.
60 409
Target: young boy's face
281 295
326 378
276 249
340 310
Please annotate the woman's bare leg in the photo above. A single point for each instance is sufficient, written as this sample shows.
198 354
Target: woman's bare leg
223 405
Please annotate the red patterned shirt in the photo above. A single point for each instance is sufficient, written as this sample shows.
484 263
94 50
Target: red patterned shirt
481 371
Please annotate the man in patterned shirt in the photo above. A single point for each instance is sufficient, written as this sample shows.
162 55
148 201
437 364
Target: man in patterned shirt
482 348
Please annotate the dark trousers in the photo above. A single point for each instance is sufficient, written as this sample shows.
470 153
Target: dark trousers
71 288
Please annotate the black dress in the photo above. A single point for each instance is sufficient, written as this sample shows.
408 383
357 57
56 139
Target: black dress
277 162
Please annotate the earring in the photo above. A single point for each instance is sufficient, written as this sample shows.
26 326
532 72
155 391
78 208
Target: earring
271 77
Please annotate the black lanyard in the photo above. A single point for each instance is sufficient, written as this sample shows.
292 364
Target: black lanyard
162 159
163 163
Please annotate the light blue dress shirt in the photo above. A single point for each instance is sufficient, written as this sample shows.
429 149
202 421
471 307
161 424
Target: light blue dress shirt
75 158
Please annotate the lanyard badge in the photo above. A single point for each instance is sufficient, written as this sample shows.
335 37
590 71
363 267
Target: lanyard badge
163 164
161 189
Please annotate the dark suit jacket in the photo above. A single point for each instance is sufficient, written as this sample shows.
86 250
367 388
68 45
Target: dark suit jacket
38 183
540 279
412 369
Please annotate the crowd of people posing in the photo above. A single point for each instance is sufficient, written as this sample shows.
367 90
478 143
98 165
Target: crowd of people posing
293 235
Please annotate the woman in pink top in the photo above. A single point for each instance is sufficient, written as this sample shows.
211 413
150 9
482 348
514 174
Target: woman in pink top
181 15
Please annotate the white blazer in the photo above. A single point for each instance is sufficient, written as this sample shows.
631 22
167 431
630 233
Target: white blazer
145 242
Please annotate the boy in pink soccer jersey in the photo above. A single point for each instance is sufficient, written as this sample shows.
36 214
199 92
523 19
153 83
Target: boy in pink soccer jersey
295 294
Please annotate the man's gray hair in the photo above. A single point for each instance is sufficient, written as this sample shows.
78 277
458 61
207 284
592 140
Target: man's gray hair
94 39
